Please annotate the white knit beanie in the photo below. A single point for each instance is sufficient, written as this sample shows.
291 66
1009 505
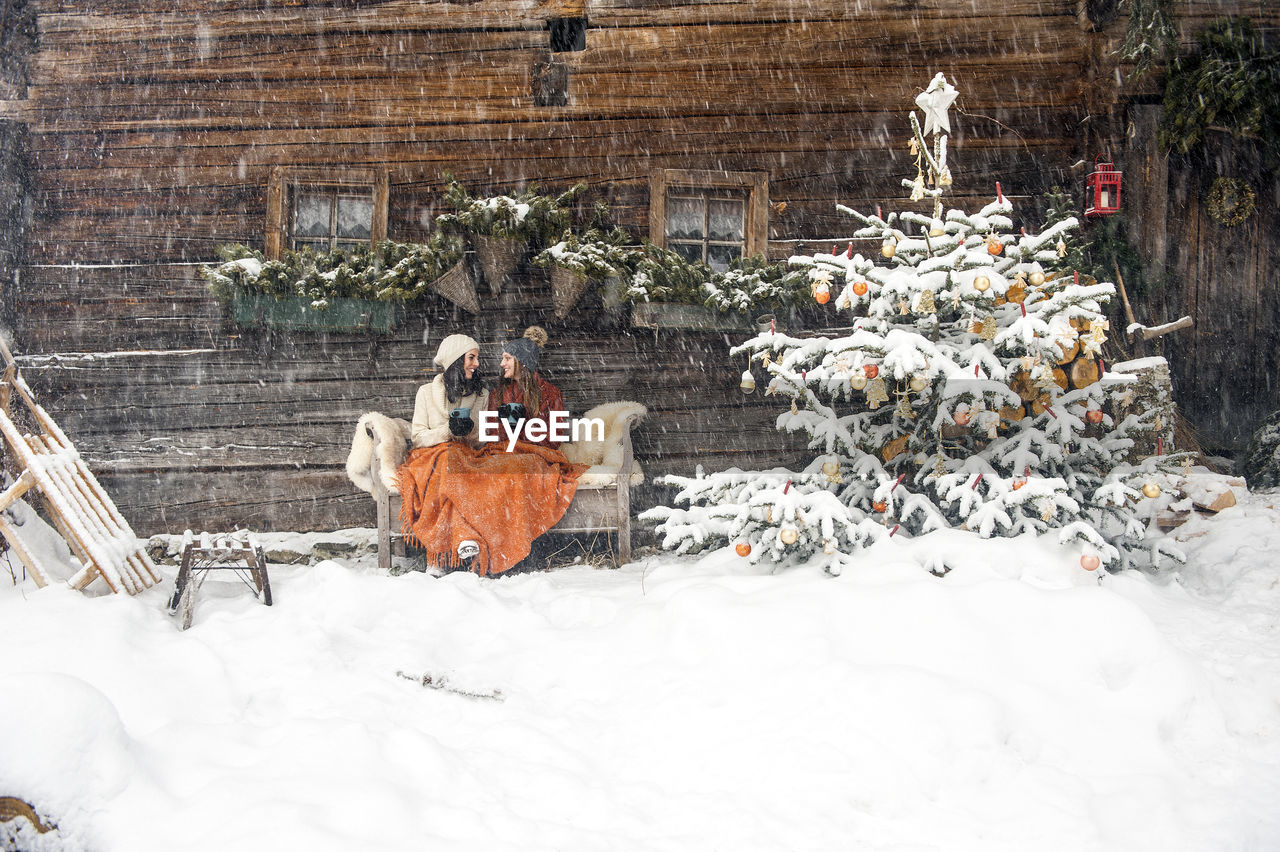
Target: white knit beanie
452 348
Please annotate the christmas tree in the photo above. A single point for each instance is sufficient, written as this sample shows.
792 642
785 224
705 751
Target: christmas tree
964 393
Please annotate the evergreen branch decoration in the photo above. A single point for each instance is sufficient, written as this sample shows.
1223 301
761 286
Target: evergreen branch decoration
530 215
389 272
1231 82
1150 38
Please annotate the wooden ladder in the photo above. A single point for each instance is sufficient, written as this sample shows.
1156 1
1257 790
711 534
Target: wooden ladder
80 508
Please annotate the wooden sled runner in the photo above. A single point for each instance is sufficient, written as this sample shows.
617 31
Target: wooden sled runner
45 460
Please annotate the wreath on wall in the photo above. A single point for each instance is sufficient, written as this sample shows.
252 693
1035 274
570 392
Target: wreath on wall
1231 201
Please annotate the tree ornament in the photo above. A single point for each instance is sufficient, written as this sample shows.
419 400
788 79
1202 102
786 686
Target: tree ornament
871 370
1094 415
944 179
889 249
1062 247
918 382
994 246
917 187
821 293
794 408
788 535
859 288
858 381
936 228
828 546
877 394
879 506
1151 490
904 409
935 100
743 549
989 328
904 307
1036 278
926 304
961 418
748 383
895 448
1016 293
1090 562
832 471
981 283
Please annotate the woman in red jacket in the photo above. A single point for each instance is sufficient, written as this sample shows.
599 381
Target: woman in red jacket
522 385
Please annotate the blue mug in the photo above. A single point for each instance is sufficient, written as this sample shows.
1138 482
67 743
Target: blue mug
512 412
460 422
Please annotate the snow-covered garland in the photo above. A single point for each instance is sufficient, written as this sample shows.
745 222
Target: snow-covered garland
966 325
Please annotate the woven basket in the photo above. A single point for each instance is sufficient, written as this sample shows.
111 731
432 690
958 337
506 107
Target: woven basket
567 286
456 286
499 257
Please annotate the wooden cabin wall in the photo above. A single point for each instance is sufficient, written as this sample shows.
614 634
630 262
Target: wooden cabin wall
153 128
1226 278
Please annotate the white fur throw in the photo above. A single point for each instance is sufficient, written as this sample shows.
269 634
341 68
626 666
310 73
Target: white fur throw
395 436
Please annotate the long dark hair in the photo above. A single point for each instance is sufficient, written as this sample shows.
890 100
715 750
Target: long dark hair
456 383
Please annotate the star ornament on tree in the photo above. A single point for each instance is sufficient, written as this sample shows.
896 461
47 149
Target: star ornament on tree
935 101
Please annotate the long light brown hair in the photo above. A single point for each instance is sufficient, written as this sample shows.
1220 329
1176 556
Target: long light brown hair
523 378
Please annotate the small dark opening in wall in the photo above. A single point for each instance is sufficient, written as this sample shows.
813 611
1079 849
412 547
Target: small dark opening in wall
568 34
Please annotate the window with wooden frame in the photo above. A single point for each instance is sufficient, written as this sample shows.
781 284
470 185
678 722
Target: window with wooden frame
325 209
712 216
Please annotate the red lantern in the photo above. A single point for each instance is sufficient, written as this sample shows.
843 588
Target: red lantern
1102 188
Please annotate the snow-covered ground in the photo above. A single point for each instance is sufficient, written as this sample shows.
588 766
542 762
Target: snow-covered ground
1017 703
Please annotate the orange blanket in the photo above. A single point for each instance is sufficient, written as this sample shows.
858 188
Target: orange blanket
502 501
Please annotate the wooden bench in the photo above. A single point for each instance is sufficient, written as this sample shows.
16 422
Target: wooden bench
602 503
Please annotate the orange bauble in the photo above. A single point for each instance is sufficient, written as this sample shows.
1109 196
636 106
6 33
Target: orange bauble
1089 562
1093 415
871 370
961 418
879 505
994 246
822 295
1018 483
743 549
859 288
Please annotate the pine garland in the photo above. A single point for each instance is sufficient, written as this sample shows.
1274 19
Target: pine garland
1231 82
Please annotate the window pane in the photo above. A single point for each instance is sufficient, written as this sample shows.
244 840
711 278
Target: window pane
719 257
725 220
355 217
689 251
311 215
684 218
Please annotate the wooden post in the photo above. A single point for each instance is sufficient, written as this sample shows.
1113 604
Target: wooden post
383 500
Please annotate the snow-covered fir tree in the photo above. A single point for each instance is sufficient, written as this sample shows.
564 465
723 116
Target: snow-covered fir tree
964 393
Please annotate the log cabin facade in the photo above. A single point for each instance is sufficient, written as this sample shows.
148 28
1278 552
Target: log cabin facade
139 136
